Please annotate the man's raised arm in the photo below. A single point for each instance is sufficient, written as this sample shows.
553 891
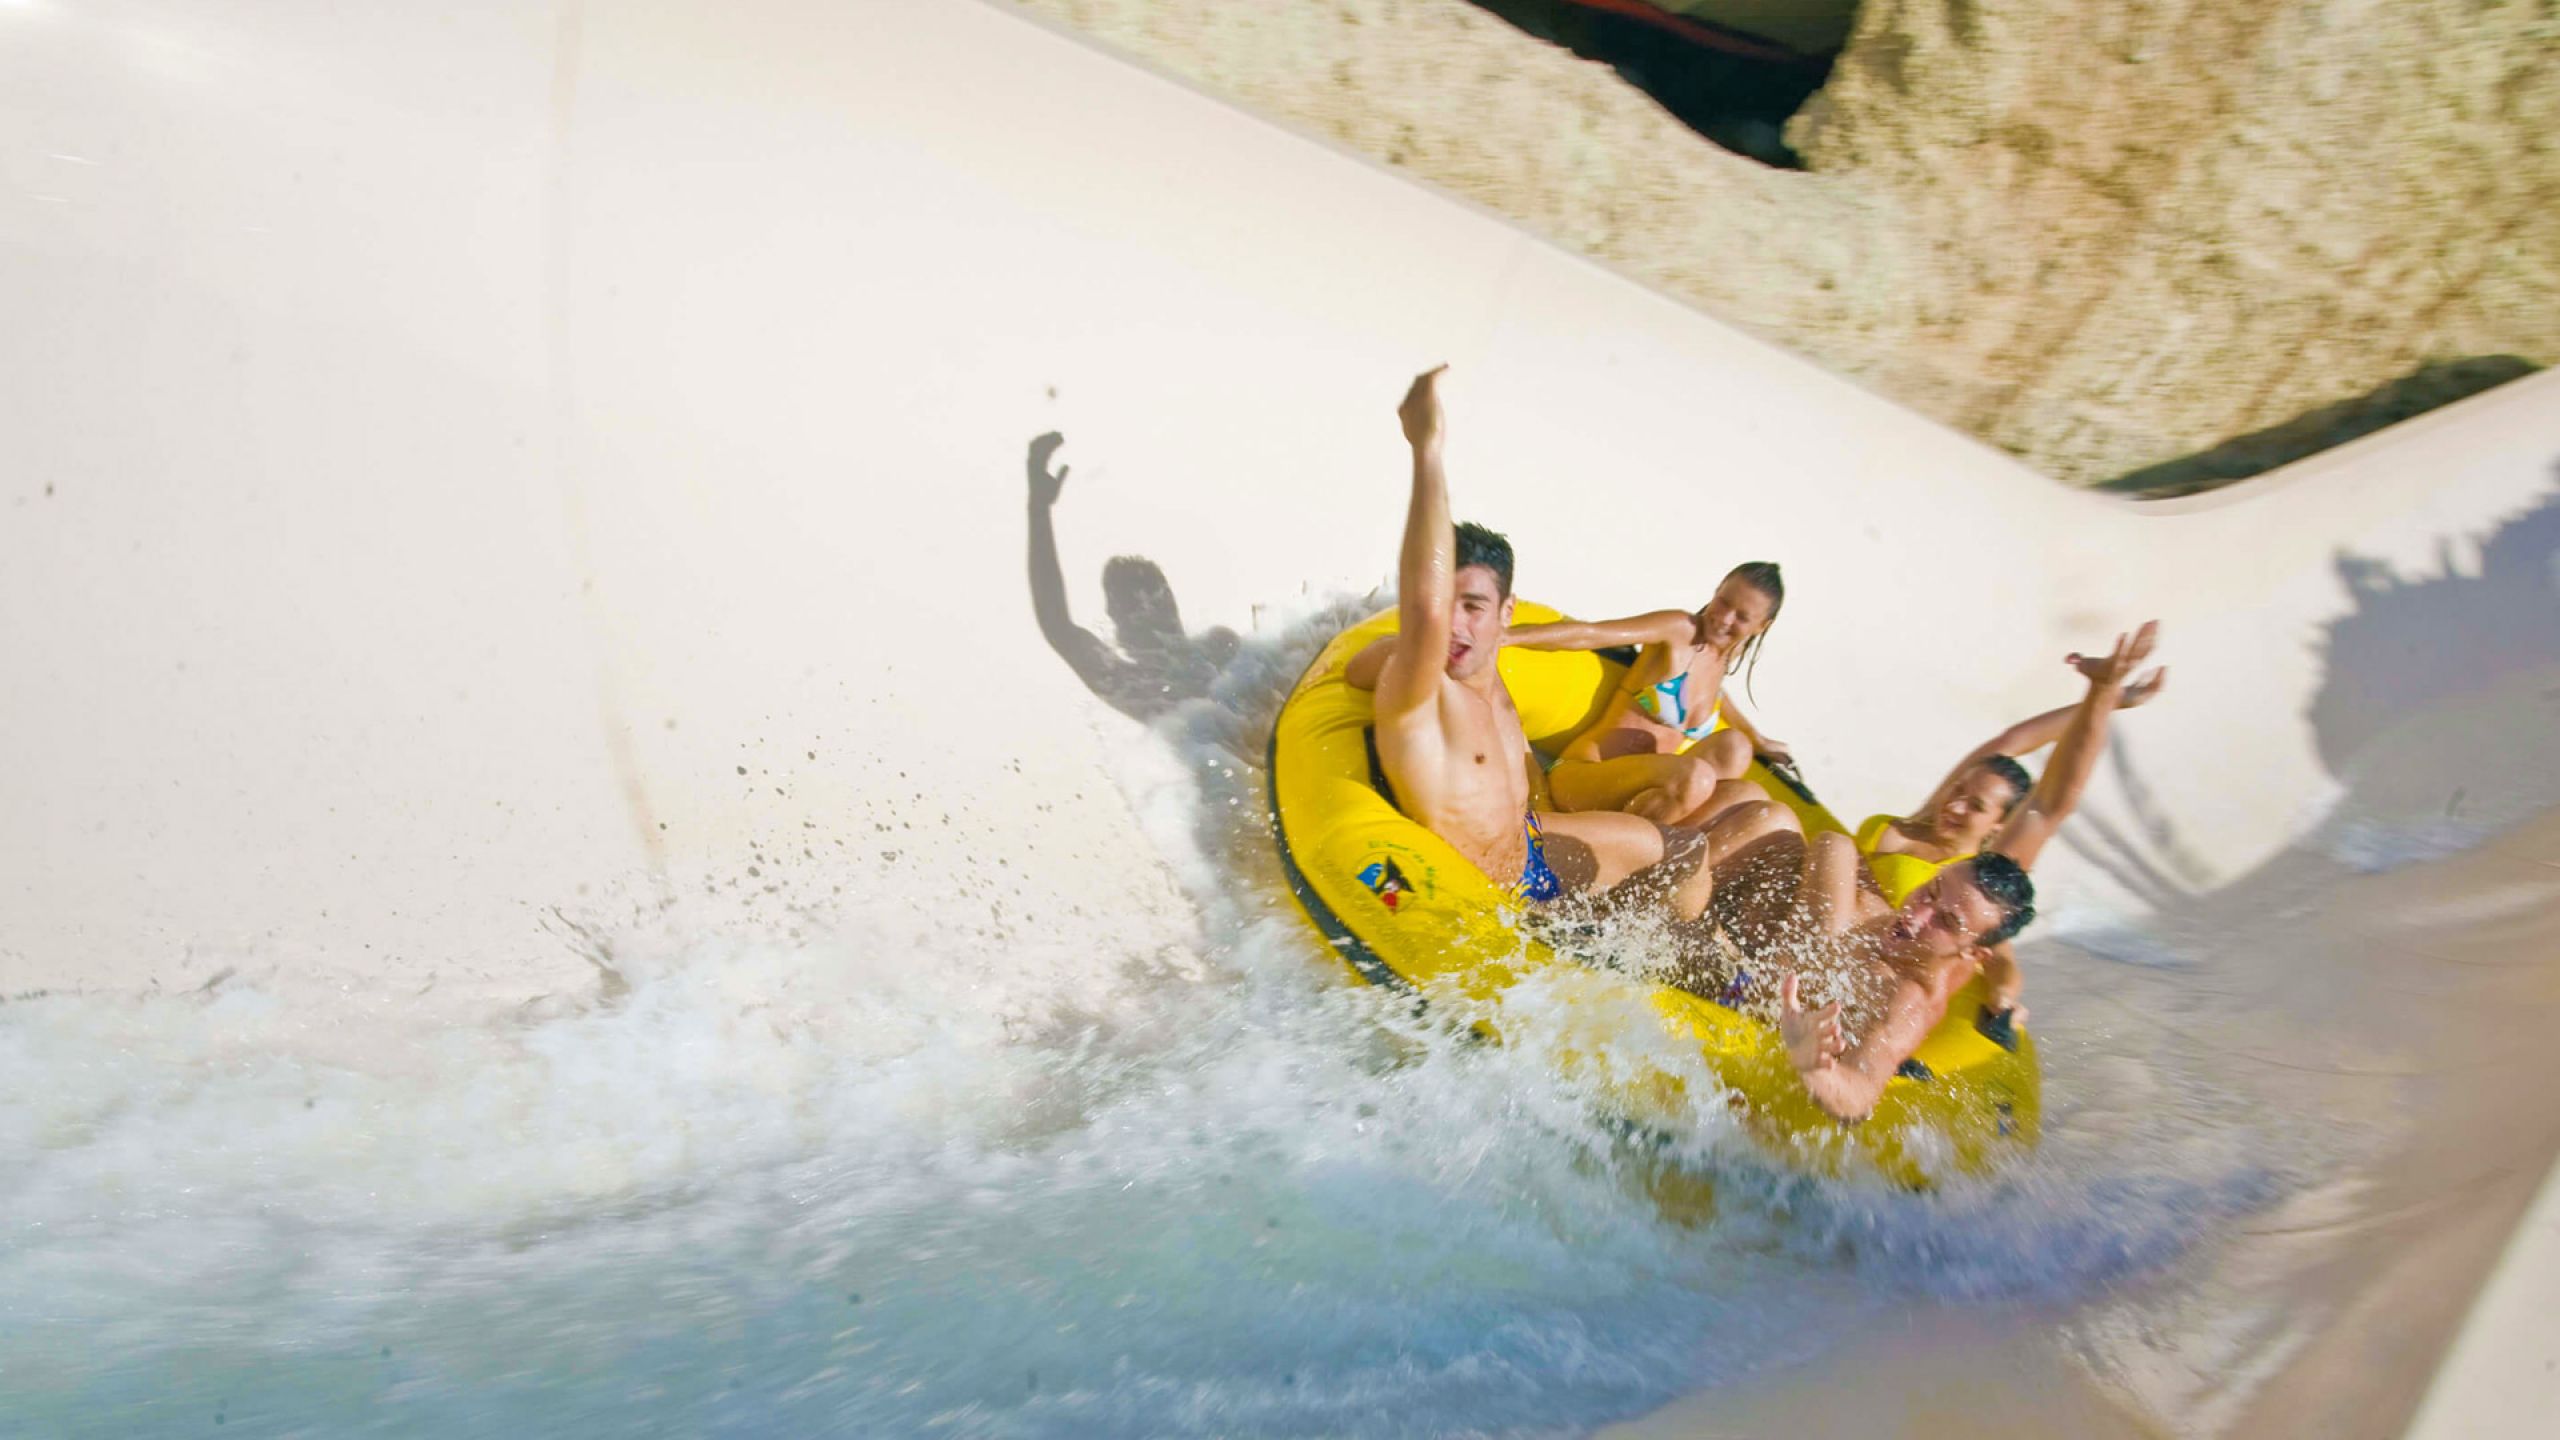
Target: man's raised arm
2075 755
2032 734
1426 576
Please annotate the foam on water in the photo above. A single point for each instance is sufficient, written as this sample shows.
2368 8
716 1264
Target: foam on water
886 1179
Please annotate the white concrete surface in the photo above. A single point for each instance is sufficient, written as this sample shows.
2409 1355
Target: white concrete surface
448 445
2497 1378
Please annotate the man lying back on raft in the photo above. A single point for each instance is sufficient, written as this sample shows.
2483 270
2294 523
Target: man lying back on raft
1449 737
1981 793
1903 964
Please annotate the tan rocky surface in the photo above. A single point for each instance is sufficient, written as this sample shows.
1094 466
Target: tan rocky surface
2104 235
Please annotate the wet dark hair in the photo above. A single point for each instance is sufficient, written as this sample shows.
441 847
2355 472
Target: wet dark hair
1479 546
2021 784
2006 882
1763 576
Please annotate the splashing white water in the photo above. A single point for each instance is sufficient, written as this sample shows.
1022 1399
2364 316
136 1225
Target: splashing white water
893 1178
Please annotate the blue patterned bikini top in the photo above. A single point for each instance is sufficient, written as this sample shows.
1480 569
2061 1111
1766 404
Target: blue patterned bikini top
1664 705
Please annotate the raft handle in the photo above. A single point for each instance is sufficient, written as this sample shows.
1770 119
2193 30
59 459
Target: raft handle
1996 1027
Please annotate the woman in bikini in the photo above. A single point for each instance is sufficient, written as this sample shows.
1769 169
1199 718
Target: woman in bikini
1902 853
1982 792
1655 751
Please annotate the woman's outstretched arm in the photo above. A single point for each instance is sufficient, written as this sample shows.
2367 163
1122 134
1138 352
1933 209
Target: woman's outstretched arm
2033 734
2075 755
1660 627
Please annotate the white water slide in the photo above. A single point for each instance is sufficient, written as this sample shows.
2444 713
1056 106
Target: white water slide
554 885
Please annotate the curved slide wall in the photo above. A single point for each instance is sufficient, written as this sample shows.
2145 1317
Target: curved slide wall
471 461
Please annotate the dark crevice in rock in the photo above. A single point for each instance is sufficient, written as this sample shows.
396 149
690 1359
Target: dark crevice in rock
2421 390
1735 89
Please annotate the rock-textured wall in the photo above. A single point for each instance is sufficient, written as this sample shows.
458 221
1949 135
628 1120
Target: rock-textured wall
2160 224
2105 235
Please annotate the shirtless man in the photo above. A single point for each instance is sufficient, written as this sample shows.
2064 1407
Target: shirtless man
1449 737
1905 964
1981 793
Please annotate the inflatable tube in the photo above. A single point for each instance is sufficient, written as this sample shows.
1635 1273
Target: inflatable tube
1403 909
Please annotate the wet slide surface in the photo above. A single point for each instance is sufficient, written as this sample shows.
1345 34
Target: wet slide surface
557 884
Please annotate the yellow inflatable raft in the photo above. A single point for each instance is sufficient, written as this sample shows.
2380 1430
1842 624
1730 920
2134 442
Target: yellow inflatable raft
1402 909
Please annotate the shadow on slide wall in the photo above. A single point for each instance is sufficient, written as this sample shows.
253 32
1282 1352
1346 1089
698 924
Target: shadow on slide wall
2439 690
1157 665
2413 640
2438 704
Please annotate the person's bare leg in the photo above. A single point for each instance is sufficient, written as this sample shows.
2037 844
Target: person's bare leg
1651 786
1739 827
1680 883
1830 893
1757 850
1689 860
1594 851
1688 784
1725 752
1727 796
1701 961
1586 785
1757 881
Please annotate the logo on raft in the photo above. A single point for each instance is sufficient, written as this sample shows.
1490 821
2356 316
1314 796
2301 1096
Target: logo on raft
1386 882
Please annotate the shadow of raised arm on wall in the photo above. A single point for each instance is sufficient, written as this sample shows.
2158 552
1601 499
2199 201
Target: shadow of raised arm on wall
2440 689
2415 638
2436 712
1156 665
2144 854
